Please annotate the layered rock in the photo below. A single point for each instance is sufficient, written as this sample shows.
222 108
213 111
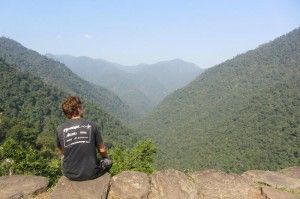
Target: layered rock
284 184
218 184
91 189
272 193
273 179
172 184
209 184
129 185
19 186
293 172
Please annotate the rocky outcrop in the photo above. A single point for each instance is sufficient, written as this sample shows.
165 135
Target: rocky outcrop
209 184
277 185
273 179
218 184
172 184
293 172
129 185
272 193
19 186
91 189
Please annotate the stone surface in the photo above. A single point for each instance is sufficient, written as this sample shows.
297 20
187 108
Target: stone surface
293 172
44 195
209 184
18 186
91 189
272 193
172 184
273 179
129 185
218 184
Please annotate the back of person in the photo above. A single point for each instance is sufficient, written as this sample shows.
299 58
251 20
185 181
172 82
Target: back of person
78 138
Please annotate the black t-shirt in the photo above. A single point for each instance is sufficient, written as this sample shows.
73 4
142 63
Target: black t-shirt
78 138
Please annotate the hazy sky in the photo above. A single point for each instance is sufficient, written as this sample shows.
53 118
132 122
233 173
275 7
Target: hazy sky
146 31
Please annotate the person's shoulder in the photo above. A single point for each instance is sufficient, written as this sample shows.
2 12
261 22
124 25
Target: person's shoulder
62 126
87 121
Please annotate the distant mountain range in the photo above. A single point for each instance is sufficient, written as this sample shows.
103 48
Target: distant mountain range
239 115
142 86
30 109
57 74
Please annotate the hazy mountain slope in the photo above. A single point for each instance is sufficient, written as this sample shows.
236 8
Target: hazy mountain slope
57 74
142 86
172 74
241 114
160 79
29 106
85 66
108 75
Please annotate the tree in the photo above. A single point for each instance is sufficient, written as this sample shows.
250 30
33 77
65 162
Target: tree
138 158
24 158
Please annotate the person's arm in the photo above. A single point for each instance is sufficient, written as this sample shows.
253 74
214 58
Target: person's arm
106 162
61 151
102 150
99 142
58 145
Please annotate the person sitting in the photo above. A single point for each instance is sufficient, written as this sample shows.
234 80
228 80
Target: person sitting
78 140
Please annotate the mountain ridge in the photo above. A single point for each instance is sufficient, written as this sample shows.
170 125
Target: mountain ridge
28 103
141 86
59 75
232 113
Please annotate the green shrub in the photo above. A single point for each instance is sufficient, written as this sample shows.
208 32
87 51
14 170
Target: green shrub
138 158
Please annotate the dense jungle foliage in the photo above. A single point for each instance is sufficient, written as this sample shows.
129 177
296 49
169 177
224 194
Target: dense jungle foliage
29 115
58 75
242 114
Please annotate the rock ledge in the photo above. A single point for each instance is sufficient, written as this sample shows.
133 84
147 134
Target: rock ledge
165 184
19 186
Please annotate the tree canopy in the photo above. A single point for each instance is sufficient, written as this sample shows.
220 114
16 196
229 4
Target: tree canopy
242 114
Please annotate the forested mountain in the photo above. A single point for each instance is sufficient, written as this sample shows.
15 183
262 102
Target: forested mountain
171 74
242 114
29 107
58 75
108 75
160 79
142 86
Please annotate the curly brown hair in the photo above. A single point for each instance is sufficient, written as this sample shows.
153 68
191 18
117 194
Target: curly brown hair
71 106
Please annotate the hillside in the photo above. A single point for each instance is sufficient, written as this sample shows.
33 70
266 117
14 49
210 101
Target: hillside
58 75
242 114
142 86
171 74
160 79
108 75
29 108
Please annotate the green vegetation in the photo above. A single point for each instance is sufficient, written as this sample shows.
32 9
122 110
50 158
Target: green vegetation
142 86
20 157
139 158
58 75
23 157
29 114
27 102
242 114
108 75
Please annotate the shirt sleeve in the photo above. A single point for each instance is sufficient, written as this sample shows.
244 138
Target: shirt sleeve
98 136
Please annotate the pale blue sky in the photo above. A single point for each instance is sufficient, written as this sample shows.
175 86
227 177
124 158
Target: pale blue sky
147 31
